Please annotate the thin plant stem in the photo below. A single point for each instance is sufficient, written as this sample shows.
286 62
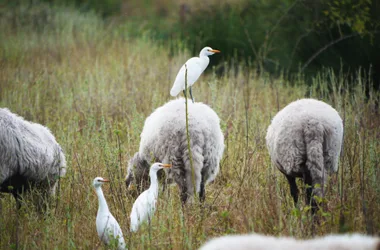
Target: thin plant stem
341 214
188 135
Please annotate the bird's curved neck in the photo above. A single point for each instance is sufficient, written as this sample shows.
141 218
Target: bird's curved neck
103 207
153 181
205 60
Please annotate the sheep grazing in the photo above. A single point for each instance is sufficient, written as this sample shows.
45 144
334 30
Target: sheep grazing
304 140
30 157
163 139
261 242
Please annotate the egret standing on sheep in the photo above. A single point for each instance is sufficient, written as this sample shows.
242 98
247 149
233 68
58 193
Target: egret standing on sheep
106 225
304 140
195 67
145 205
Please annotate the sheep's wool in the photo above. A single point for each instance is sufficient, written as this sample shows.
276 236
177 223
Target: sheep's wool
163 139
262 242
299 129
28 152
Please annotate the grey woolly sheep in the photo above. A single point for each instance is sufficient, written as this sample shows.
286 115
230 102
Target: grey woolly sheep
30 157
304 140
262 242
163 139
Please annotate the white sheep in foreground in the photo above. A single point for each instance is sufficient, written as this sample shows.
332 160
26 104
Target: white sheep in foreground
304 140
30 157
262 242
163 139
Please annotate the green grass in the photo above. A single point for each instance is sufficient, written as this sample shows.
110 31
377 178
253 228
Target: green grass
93 86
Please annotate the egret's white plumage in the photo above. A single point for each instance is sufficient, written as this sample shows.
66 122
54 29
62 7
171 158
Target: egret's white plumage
106 225
195 67
145 205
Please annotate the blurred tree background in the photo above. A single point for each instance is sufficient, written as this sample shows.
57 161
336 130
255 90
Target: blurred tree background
276 36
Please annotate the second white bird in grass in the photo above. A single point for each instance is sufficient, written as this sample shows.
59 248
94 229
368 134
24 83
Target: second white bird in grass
145 205
195 67
106 225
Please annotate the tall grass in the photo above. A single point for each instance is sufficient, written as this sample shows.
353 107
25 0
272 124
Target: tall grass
93 86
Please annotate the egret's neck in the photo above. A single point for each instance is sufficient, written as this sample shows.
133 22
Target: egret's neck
103 207
153 181
205 60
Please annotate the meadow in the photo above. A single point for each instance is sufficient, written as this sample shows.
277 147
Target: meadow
93 85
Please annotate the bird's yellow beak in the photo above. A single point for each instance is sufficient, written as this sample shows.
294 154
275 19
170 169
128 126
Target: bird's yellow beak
131 187
215 51
105 180
166 165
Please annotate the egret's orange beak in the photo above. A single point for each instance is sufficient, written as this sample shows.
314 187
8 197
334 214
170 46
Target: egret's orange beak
215 51
166 165
105 180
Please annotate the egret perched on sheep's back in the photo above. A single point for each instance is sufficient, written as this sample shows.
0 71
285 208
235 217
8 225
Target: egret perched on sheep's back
195 67
145 205
106 225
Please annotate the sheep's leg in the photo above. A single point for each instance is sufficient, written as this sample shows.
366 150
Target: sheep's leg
182 184
187 186
164 185
18 200
184 195
309 189
180 178
293 188
202 193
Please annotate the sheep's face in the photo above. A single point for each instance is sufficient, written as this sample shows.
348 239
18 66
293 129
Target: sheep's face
137 179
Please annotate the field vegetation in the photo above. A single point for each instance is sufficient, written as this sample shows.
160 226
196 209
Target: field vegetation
93 83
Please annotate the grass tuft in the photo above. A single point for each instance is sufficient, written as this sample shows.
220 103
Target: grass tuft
93 86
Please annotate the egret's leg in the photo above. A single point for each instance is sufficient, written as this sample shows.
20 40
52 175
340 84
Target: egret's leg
191 94
184 93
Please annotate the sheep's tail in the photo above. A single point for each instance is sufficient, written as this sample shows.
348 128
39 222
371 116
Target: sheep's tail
193 173
314 139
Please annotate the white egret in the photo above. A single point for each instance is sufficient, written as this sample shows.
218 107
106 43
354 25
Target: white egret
145 205
195 67
106 225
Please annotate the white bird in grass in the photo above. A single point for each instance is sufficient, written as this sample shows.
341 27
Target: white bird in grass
195 67
145 205
106 225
